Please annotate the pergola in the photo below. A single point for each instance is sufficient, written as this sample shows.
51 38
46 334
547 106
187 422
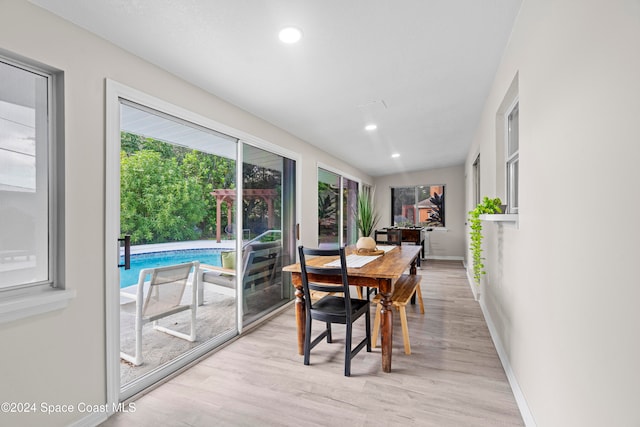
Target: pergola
229 196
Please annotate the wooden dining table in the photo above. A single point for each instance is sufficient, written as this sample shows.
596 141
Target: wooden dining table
380 273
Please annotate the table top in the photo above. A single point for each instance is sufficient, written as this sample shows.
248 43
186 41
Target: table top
391 265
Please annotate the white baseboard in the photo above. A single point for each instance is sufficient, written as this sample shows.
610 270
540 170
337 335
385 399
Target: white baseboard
473 286
525 412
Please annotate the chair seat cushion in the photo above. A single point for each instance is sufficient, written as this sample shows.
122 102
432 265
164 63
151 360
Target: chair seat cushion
334 306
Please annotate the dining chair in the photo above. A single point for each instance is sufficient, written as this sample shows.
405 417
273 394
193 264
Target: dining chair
331 308
392 236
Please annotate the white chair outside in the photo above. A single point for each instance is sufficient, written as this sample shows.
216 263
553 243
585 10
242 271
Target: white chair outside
163 298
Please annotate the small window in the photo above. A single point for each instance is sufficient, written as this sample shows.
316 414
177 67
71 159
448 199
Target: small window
513 158
30 248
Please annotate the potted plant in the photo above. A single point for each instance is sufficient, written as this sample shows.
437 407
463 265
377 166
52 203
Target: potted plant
366 219
487 206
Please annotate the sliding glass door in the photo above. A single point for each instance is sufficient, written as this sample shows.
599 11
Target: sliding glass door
268 221
349 203
328 208
181 192
337 198
167 169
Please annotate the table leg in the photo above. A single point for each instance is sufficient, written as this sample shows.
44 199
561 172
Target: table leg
300 319
414 270
386 323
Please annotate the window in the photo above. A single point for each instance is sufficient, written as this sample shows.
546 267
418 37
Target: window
507 146
30 250
418 205
477 198
512 159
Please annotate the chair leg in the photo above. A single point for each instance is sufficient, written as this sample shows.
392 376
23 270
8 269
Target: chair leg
347 350
367 322
405 329
329 338
138 358
307 340
376 326
192 337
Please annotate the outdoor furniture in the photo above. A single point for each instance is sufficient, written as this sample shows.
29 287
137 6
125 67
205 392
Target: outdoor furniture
381 272
404 289
260 264
166 288
332 309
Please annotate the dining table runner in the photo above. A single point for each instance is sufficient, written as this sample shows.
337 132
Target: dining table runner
357 261
354 261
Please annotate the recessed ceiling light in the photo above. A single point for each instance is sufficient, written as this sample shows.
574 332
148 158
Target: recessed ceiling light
395 155
290 35
371 126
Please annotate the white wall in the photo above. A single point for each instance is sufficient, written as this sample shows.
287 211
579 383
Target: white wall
562 289
59 357
448 244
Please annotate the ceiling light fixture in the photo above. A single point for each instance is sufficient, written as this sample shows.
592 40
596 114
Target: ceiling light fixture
371 127
395 155
290 35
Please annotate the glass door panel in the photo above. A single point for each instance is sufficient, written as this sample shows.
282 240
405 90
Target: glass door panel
168 171
328 208
349 212
268 221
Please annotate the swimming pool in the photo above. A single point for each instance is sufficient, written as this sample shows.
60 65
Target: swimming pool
159 259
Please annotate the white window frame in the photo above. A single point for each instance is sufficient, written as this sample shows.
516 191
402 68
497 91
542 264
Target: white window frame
30 299
512 159
477 198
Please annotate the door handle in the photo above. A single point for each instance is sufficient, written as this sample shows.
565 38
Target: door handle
127 252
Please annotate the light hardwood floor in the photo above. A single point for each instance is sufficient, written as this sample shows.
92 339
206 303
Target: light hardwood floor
452 378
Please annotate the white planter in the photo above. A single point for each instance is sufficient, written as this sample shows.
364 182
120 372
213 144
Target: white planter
366 243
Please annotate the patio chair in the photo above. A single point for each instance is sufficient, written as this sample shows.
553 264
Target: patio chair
166 289
261 264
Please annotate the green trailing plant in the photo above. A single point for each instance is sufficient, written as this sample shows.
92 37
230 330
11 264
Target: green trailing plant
487 206
366 216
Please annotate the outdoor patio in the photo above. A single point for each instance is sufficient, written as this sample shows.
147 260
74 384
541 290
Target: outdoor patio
215 316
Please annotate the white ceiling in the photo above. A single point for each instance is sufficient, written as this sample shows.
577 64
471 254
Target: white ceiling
420 69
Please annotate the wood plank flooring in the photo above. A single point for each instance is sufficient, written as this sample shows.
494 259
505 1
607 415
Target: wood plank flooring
452 378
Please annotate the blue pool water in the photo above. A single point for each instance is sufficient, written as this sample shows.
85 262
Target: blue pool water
159 259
